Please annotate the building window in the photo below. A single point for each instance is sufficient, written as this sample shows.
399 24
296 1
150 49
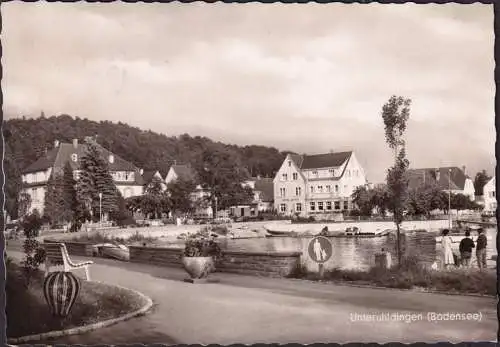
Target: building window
329 205
336 188
298 191
295 176
284 177
346 205
492 194
332 172
315 173
348 173
357 173
320 205
328 188
282 192
312 189
337 205
312 206
298 207
283 207
320 189
74 157
289 163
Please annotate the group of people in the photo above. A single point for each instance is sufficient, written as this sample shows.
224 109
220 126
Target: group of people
466 247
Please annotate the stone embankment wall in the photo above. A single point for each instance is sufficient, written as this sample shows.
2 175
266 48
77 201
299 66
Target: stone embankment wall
271 264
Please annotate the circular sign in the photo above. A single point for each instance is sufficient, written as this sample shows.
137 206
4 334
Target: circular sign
320 249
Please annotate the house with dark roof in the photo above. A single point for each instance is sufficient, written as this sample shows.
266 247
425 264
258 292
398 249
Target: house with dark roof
148 176
185 172
263 189
320 184
35 176
447 179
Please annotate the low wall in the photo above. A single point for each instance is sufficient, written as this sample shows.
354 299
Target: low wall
162 256
76 248
271 264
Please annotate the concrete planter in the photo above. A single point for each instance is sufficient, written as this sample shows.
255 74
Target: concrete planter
198 267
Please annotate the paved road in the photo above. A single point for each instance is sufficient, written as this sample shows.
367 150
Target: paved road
244 309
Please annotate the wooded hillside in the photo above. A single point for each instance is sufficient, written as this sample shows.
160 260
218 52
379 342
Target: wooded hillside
27 139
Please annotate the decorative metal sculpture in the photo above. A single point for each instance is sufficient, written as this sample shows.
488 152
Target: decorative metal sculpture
61 290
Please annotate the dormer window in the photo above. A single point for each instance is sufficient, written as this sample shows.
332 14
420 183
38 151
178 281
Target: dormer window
111 158
74 157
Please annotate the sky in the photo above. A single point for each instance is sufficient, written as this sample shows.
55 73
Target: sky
309 78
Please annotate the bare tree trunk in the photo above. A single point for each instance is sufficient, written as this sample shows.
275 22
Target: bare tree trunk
398 244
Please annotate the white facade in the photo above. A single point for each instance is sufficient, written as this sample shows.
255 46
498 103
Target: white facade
316 191
489 194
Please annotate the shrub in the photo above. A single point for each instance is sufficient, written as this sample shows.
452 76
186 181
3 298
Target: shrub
200 245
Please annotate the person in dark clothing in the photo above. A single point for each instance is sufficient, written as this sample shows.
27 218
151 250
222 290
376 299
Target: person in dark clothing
465 248
481 249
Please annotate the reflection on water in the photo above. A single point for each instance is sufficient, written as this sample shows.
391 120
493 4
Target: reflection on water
354 253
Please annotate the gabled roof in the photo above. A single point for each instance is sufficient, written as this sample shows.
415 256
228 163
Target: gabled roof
318 161
444 177
147 176
59 156
266 187
184 172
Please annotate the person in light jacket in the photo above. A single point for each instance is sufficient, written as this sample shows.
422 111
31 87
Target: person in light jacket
446 242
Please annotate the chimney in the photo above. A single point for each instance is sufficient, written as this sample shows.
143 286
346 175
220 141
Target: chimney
141 171
75 143
56 143
111 158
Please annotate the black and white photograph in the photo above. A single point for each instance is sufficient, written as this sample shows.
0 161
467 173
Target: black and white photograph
241 173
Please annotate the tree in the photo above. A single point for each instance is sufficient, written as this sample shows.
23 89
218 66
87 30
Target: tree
95 179
54 201
364 200
221 174
154 202
13 185
479 182
24 204
381 199
69 201
395 114
424 199
180 194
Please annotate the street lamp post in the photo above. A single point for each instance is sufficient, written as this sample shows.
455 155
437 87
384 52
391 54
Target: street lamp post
215 217
449 199
100 209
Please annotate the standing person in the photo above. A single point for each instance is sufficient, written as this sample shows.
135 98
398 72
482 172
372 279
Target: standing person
465 248
481 249
447 251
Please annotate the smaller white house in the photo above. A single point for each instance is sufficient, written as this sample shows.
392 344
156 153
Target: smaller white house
187 173
489 194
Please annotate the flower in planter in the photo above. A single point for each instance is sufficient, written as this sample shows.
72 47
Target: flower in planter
202 246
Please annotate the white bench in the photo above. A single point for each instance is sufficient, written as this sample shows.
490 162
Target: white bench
56 254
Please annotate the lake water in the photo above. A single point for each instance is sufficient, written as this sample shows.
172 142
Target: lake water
356 253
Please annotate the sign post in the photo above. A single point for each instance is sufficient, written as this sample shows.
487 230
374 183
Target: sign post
320 250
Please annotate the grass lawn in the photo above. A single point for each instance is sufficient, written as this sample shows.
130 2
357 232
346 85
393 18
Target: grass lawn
96 302
412 276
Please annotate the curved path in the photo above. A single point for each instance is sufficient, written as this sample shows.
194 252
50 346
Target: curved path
244 309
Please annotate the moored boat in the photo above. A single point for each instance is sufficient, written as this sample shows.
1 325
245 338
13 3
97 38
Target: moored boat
109 250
